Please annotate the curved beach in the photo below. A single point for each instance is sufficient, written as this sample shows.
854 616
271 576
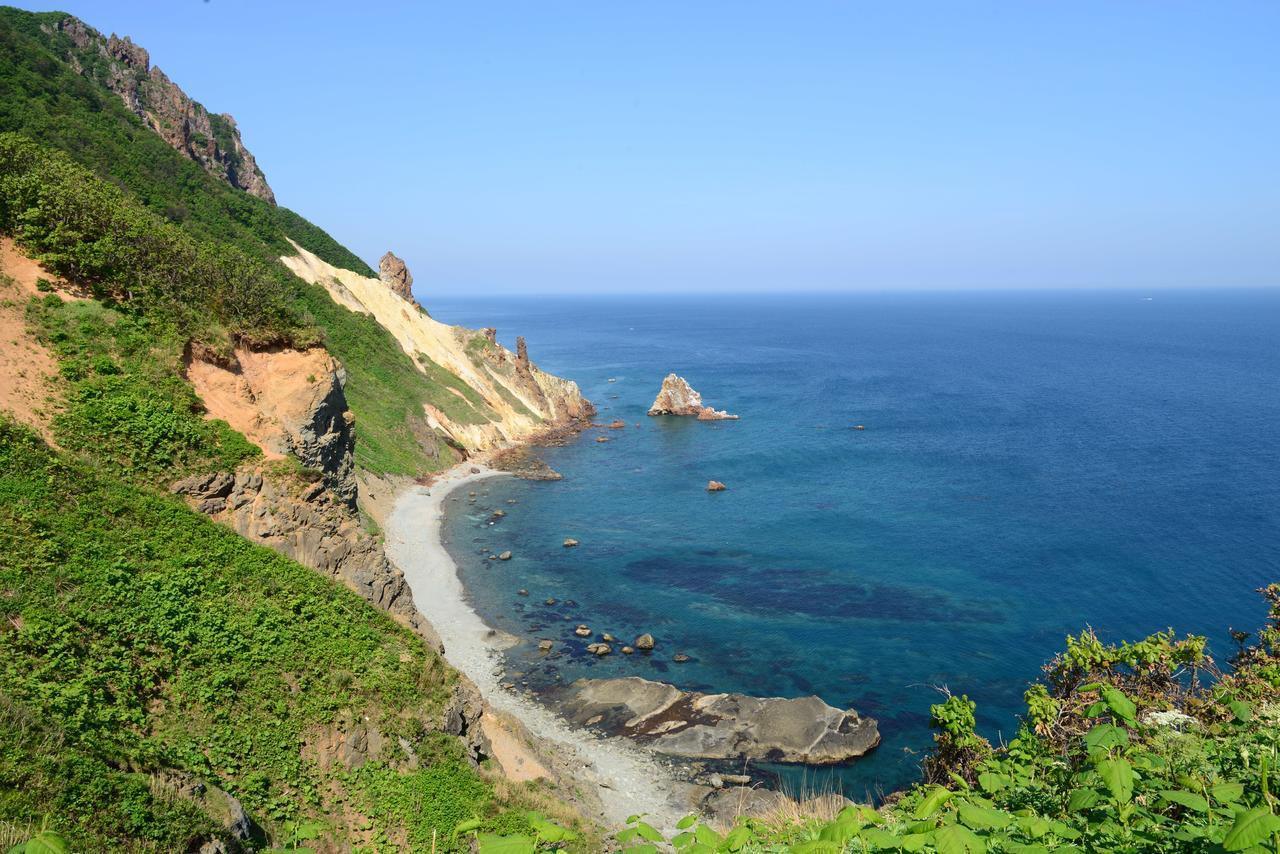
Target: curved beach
629 779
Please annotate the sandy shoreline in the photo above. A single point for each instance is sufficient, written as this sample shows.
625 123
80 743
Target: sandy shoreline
629 779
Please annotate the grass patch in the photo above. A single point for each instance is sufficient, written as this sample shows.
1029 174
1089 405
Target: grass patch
126 404
471 408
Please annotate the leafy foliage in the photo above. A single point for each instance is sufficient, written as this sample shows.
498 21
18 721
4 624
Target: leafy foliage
96 236
126 404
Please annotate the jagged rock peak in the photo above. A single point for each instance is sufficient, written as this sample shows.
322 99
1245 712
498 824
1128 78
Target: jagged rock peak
677 397
395 275
125 68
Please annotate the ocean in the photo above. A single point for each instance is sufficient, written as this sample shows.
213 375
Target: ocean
1032 463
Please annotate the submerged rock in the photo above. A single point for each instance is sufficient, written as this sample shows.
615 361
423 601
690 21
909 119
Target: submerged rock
570 542
723 726
677 397
645 641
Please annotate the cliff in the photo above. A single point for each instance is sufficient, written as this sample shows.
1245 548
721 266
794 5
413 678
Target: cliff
493 396
210 139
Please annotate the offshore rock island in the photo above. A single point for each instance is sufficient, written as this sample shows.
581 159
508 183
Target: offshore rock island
677 397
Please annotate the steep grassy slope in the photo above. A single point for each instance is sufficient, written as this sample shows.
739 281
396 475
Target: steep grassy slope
139 639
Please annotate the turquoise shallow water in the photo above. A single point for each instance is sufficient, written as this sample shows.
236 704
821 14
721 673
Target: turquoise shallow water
1031 463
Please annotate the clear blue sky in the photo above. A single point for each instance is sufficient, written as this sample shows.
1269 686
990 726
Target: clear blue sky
602 145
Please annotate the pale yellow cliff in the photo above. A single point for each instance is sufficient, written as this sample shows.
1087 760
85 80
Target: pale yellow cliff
520 399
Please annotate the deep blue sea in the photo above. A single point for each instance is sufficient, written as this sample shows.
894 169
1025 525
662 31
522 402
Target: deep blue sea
1032 463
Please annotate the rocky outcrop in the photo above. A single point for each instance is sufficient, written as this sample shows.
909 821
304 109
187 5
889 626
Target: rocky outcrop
226 811
721 726
677 397
125 68
290 403
511 400
311 525
395 275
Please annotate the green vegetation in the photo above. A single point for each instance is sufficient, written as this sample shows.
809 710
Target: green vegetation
126 403
96 236
143 647
144 637
465 406
138 639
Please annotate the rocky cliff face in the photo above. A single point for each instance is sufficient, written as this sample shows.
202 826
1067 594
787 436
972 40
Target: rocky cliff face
290 403
677 397
125 68
514 399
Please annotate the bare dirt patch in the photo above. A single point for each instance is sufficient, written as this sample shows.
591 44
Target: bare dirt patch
27 368
265 394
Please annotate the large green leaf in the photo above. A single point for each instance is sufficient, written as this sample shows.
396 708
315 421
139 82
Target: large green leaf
955 839
1190 800
817 846
491 843
1118 776
1120 705
984 818
1228 793
916 841
44 842
991 782
649 832
737 839
1251 828
1242 710
1104 737
932 801
840 830
548 831
707 836
1082 799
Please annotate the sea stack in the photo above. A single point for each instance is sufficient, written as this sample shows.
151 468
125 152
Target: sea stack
677 397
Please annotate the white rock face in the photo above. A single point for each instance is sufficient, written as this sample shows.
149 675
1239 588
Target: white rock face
677 397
